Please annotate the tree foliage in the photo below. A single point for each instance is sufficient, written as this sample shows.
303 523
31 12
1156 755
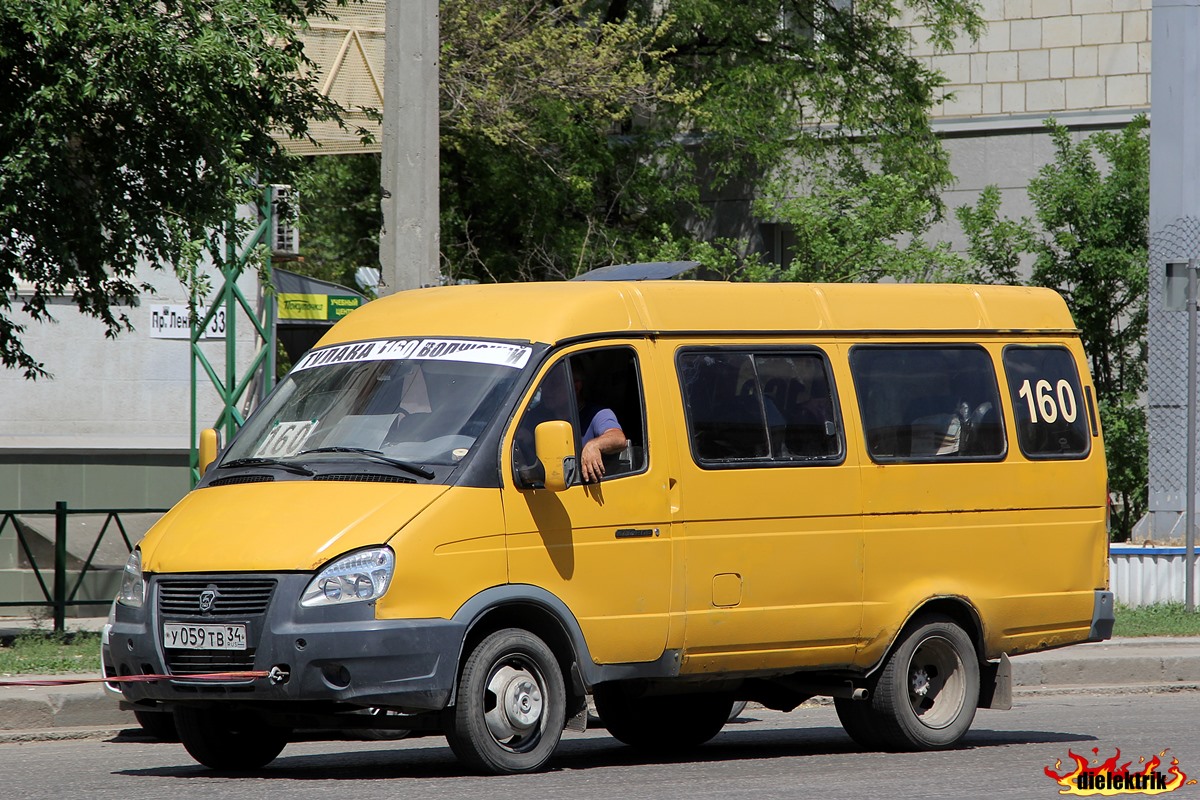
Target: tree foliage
128 133
1089 241
853 232
573 131
339 216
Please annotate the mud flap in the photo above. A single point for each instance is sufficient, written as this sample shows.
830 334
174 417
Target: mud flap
995 684
579 721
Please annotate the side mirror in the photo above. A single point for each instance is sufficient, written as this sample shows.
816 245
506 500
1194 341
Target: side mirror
555 446
210 445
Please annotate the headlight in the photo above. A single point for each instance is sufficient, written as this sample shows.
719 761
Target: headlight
133 588
353 578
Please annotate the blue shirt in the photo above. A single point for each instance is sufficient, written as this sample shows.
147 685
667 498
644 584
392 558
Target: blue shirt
601 420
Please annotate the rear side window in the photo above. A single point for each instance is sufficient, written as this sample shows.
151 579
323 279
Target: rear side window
1048 403
928 403
760 408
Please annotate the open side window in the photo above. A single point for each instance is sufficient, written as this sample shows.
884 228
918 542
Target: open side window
597 391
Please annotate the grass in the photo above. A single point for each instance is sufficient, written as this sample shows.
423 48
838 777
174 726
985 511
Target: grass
1166 619
42 653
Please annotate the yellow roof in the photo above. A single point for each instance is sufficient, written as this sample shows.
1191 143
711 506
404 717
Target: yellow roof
552 312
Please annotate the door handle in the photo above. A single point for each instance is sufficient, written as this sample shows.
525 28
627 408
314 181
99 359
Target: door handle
636 533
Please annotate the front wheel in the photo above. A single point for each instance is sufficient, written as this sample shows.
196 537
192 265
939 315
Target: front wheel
226 741
158 724
511 705
926 695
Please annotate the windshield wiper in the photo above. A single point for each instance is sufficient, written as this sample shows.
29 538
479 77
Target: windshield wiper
268 462
415 469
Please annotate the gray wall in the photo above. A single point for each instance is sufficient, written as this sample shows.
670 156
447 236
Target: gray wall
111 427
96 480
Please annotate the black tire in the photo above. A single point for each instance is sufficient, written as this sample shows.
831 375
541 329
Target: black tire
925 697
667 723
860 721
226 741
511 705
158 724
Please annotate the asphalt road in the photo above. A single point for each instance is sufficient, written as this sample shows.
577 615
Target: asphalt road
765 755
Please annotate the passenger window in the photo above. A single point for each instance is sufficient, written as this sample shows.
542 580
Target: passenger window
928 403
766 407
1047 402
599 392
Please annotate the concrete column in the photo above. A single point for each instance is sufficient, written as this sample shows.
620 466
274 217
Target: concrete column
1174 236
1174 157
409 247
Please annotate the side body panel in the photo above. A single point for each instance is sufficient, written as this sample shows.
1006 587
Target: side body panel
772 555
1023 542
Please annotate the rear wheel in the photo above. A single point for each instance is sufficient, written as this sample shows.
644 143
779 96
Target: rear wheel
926 695
664 723
226 741
511 705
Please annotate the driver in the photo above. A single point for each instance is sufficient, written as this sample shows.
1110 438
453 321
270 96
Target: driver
602 434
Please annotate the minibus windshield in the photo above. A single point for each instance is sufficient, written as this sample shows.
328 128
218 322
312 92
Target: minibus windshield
418 401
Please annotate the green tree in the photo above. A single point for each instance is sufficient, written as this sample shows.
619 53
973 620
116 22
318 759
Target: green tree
853 232
543 174
1089 241
129 131
573 131
339 216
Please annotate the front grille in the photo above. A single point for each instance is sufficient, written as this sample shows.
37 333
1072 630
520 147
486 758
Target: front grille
206 662
234 598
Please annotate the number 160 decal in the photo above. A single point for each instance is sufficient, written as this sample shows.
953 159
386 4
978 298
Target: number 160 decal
1047 403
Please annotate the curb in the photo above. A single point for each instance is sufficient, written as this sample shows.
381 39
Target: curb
63 734
36 708
1113 663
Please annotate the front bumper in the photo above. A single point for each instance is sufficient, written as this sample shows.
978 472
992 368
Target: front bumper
336 654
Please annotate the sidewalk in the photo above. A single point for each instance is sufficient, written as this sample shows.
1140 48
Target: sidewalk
1124 665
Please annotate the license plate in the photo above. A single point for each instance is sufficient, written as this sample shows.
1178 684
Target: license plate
204 637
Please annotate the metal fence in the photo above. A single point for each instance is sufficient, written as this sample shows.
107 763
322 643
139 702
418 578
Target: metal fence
77 564
1145 576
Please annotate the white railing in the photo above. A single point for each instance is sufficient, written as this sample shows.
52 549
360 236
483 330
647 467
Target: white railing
1144 576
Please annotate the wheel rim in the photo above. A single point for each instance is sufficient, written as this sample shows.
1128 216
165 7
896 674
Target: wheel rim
937 686
515 704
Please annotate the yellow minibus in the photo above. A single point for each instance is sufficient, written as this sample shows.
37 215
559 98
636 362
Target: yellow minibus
470 508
